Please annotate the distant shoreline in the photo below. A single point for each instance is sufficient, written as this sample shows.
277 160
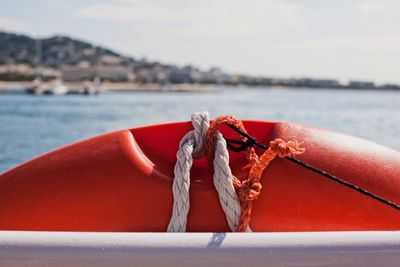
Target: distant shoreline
25 58
74 87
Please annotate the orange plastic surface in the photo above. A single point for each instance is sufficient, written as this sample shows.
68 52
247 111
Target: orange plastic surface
122 181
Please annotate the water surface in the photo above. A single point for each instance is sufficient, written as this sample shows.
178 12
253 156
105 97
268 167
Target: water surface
31 125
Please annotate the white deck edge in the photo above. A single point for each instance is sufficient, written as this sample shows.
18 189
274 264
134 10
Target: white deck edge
373 248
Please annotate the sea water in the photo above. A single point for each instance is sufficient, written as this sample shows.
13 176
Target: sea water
32 125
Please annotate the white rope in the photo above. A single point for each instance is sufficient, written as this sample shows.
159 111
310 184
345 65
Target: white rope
192 145
223 182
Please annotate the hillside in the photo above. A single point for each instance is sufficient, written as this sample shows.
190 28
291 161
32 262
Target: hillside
54 51
76 60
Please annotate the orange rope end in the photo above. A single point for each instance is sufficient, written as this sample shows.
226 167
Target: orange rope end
286 149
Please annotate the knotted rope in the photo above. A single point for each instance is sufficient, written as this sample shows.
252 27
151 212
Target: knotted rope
192 146
249 189
214 148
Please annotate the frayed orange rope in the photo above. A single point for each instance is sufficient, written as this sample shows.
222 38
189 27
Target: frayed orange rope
249 189
212 133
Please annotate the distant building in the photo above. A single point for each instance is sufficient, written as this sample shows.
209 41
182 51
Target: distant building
20 72
361 85
84 71
77 73
317 83
180 76
110 60
112 72
232 79
390 87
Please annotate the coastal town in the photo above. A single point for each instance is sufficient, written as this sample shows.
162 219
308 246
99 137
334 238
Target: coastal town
26 62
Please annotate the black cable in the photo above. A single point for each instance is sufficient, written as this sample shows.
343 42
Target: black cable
251 141
345 183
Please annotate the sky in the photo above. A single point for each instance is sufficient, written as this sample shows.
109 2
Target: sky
341 39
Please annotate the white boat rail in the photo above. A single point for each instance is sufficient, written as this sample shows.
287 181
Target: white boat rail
372 248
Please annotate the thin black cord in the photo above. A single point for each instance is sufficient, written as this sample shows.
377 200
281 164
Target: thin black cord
345 183
251 141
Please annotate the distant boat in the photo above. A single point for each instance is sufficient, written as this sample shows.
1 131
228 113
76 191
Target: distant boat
33 89
54 87
93 88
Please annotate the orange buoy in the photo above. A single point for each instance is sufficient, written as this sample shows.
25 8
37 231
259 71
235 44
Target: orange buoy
122 181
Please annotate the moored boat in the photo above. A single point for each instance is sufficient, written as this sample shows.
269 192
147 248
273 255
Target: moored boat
54 87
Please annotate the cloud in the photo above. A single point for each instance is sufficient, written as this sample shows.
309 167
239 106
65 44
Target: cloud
211 17
371 43
266 37
10 25
368 56
370 7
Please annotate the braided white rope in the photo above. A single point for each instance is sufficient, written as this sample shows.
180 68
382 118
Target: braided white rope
192 145
223 182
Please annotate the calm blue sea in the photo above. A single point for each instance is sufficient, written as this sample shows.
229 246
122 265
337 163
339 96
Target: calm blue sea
32 125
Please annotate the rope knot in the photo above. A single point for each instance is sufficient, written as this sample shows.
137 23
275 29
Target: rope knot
249 190
192 146
285 149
